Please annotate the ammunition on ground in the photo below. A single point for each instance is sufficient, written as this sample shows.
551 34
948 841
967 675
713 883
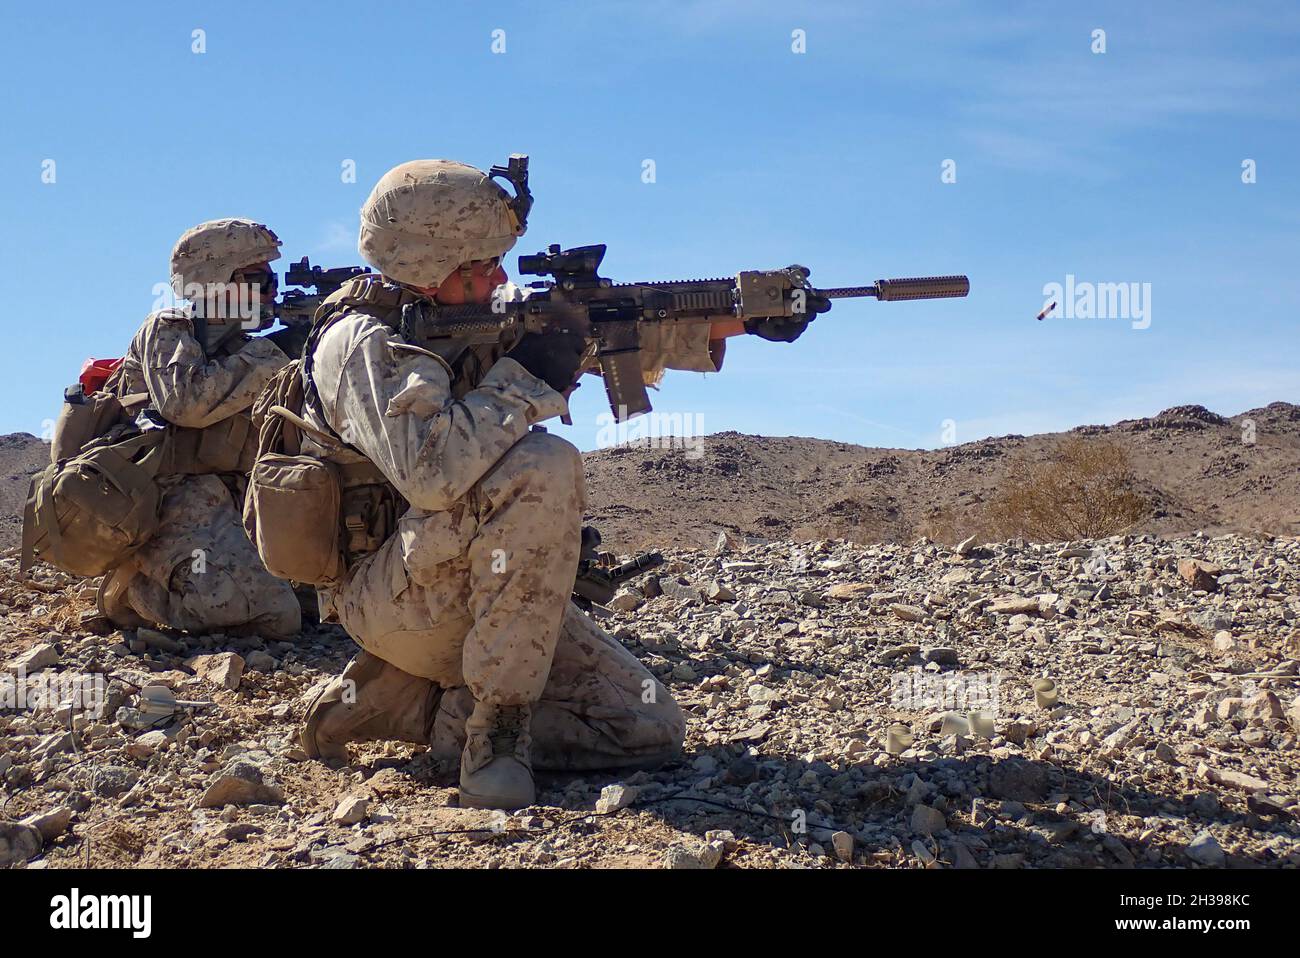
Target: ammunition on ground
981 724
954 723
1045 693
898 739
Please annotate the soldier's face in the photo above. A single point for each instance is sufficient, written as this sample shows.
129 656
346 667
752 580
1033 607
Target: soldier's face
471 283
260 280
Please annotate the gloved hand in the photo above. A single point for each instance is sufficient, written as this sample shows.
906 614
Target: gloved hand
552 357
786 329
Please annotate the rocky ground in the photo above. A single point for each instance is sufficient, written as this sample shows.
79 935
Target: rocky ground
805 668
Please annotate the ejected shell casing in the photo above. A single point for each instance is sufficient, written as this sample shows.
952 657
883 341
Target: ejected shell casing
1045 693
898 739
954 723
981 724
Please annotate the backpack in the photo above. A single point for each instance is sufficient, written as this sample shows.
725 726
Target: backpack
88 415
86 514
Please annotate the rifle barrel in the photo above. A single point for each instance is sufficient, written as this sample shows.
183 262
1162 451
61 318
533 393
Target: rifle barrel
912 287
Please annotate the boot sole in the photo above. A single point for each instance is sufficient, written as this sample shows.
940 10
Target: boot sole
478 800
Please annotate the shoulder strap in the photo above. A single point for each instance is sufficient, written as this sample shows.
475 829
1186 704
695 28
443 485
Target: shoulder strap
368 294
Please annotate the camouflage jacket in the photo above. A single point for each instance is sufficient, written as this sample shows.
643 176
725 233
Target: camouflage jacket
207 399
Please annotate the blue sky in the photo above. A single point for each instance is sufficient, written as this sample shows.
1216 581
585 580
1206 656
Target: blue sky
1115 167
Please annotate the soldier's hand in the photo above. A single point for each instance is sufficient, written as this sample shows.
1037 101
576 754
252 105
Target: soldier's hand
786 329
552 357
805 304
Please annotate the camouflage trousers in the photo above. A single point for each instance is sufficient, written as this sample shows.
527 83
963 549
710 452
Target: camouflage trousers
476 600
200 573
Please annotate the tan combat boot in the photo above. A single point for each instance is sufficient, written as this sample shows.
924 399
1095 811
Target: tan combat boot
495 768
111 600
371 701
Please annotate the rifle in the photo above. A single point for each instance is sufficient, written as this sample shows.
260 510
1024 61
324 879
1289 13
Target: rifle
297 306
576 299
597 579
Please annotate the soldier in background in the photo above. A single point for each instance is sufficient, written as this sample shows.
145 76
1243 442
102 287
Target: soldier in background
200 372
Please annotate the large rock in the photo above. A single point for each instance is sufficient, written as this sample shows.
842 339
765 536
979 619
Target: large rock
1199 575
1262 705
941 655
1236 779
908 613
50 824
626 601
352 810
36 658
848 591
1205 850
1019 732
726 542
221 668
961 856
926 820
1014 605
18 842
614 797
240 783
156 639
680 856
114 780
842 843
718 592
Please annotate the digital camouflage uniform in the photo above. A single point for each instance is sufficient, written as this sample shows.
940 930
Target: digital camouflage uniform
467 603
199 572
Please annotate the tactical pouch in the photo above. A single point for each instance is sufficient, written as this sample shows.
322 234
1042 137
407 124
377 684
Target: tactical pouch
291 509
219 448
87 514
291 514
369 510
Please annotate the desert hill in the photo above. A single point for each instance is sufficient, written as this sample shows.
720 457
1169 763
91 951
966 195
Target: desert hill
1199 469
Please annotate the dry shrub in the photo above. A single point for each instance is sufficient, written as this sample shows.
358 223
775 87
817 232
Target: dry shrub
1086 490
948 525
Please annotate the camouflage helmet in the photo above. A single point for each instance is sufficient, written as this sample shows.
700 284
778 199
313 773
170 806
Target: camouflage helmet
212 251
427 217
